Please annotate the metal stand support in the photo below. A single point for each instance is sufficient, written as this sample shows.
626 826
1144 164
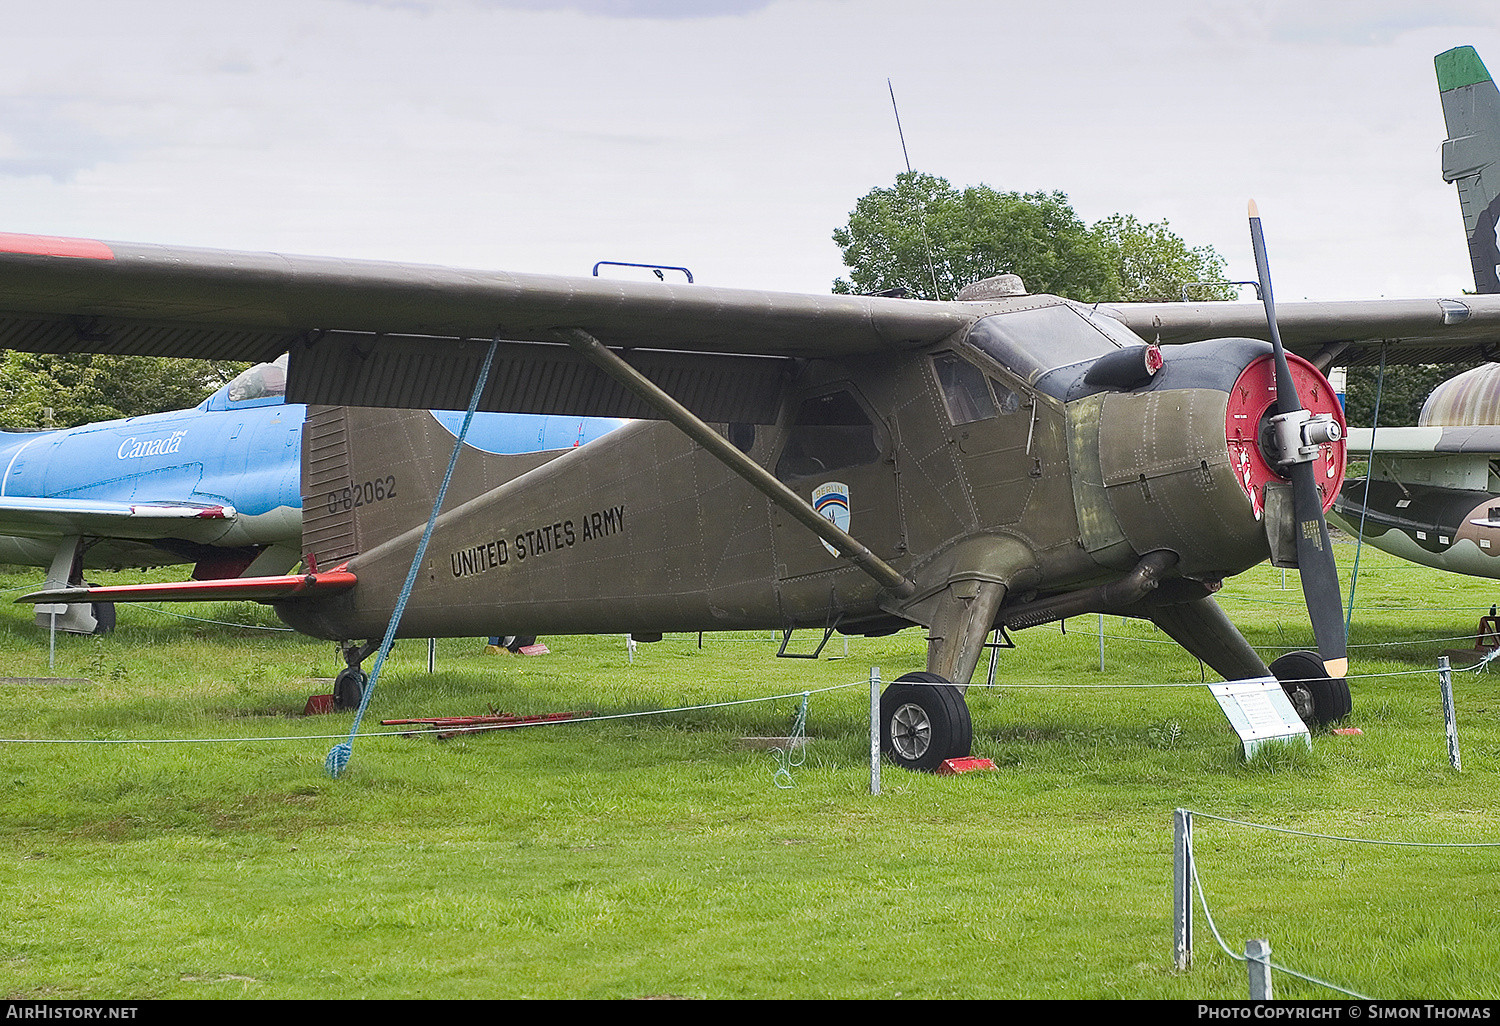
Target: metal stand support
1258 962
1182 889
874 730
1450 718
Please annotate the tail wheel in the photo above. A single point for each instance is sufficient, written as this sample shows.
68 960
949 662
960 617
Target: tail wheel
1318 698
348 688
923 721
104 617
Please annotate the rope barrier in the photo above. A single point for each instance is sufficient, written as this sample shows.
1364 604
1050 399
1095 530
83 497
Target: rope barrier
200 619
1203 900
1337 837
1203 897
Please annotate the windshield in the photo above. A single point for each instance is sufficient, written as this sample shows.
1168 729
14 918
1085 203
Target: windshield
1032 343
259 382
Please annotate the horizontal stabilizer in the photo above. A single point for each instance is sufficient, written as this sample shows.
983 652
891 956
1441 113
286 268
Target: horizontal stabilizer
233 589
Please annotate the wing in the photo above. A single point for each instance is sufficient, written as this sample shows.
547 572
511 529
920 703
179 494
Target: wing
49 518
1429 442
382 334
1351 333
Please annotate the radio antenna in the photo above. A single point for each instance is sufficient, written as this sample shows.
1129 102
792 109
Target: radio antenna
899 133
921 216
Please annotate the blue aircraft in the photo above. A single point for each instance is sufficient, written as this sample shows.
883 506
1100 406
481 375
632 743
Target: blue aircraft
218 486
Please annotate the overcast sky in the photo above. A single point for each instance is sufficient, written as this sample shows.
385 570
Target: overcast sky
732 136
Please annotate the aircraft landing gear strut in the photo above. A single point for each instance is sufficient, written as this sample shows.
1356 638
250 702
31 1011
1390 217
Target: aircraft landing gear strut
349 685
924 720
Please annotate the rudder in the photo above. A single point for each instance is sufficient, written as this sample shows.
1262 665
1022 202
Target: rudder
1471 155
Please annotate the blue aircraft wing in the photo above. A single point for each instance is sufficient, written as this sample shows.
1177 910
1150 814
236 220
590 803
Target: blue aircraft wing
30 517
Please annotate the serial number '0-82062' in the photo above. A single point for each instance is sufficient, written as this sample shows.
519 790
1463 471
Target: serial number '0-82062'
357 495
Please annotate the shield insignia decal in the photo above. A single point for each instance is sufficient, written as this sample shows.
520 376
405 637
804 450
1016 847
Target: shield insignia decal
831 501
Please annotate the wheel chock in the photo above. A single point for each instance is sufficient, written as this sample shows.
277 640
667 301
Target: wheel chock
965 764
317 705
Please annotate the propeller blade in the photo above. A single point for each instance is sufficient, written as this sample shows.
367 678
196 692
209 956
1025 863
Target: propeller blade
1287 399
1320 577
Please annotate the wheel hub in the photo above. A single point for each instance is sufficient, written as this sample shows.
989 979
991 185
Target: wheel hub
1302 702
911 731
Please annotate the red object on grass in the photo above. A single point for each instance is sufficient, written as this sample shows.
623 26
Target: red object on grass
451 726
967 764
317 705
1348 730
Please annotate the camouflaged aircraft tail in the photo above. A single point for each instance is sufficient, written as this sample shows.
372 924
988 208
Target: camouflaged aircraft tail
1471 155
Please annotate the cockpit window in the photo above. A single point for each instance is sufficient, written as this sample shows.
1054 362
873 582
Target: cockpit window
830 432
1033 342
966 393
260 382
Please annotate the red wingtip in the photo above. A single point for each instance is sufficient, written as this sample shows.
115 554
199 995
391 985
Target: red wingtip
54 246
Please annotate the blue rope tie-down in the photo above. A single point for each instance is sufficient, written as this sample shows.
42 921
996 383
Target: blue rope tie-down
338 757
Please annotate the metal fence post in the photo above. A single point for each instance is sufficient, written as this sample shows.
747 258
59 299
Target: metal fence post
874 730
1450 718
1182 889
431 655
1258 962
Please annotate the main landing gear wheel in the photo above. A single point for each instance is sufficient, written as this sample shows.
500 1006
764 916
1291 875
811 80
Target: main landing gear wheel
1318 698
923 721
348 688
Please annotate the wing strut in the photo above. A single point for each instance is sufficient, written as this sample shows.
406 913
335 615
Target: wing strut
721 449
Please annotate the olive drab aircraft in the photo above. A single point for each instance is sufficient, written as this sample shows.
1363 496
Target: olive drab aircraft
824 462
218 486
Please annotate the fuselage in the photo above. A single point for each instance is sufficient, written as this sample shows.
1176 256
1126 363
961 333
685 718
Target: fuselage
988 459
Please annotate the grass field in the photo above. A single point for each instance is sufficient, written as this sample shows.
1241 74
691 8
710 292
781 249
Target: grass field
656 856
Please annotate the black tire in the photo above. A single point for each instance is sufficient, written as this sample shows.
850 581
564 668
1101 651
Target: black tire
348 688
104 617
1318 698
521 641
923 721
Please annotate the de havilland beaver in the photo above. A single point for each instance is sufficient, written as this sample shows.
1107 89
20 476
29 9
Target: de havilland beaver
859 464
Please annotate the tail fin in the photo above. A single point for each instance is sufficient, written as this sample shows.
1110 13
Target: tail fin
1471 155
369 475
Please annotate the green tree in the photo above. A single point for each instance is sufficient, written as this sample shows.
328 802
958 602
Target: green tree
1153 265
83 388
926 237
